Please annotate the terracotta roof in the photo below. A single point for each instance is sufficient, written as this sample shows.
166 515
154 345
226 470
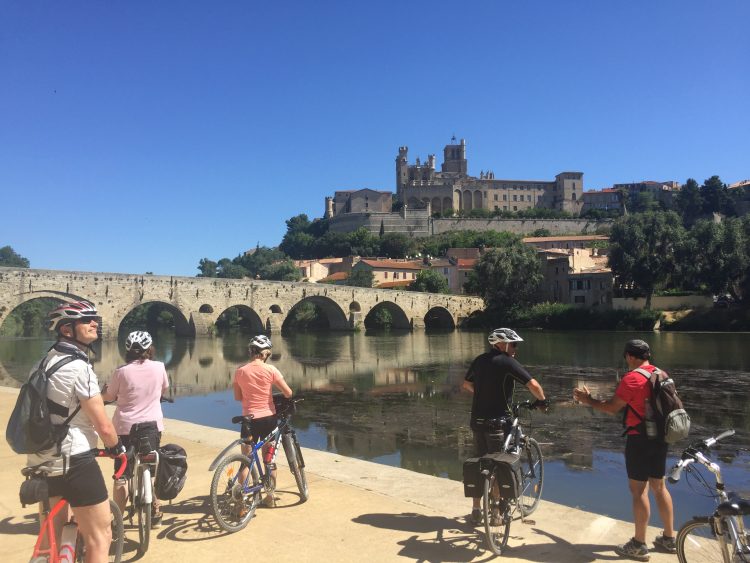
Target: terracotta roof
466 262
399 283
393 264
338 276
568 238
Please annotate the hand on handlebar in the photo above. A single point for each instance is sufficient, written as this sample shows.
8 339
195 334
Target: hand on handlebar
541 404
116 450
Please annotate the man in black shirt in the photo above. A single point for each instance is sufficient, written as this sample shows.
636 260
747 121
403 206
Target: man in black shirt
492 377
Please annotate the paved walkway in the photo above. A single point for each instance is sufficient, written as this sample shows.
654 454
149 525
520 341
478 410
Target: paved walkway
358 511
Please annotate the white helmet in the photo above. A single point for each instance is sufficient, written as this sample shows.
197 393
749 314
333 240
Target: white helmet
503 335
67 313
139 338
258 343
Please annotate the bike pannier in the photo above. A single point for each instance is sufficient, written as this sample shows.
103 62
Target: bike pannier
507 468
473 478
144 437
171 473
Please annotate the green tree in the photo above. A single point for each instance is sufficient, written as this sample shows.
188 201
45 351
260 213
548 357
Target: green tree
207 268
689 202
507 277
10 259
430 281
644 249
396 245
360 277
721 255
281 271
715 197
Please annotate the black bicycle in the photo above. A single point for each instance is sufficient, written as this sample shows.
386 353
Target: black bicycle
513 477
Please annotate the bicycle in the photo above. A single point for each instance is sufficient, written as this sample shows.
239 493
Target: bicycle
238 479
720 537
524 456
71 548
141 490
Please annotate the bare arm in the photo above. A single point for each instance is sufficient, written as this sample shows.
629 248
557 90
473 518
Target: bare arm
283 387
237 390
94 409
107 396
609 406
467 386
535 389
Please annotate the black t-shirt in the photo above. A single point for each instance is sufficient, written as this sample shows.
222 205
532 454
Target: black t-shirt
494 375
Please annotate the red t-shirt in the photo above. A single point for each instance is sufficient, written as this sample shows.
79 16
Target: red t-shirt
634 389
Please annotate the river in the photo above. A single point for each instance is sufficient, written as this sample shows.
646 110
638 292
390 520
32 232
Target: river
394 398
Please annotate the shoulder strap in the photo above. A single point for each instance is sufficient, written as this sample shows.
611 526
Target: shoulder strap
48 372
644 372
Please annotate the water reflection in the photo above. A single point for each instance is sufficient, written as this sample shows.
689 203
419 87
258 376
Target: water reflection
395 398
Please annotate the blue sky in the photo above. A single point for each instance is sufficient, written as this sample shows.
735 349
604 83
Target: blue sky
144 136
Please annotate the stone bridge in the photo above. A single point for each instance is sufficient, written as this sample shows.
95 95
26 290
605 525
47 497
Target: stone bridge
196 303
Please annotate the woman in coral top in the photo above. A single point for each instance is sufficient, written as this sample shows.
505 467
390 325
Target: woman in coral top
253 386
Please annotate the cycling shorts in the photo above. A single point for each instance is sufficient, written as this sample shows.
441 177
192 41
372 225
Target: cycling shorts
83 483
486 442
259 428
645 459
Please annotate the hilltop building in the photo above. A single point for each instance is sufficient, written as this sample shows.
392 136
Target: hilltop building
453 188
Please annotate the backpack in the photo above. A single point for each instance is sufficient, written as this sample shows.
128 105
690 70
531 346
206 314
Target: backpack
171 473
672 421
30 429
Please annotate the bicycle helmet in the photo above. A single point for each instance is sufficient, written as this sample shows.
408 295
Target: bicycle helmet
500 335
258 343
139 338
66 313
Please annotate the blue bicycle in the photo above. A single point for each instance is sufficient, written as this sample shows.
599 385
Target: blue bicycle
239 480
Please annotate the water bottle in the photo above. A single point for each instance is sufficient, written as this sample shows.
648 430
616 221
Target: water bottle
68 543
269 454
651 430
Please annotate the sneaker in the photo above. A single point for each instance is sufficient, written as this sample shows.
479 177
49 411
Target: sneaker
269 502
156 519
476 517
663 543
633 550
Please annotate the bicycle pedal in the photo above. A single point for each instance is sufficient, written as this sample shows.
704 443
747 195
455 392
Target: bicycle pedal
528 521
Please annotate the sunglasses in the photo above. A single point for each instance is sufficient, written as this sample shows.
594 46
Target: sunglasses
87 320
513 344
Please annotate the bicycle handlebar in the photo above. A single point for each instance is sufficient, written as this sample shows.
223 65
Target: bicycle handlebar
693 453
123 457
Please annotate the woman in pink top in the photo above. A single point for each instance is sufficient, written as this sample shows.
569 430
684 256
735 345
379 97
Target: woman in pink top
137 388
253 386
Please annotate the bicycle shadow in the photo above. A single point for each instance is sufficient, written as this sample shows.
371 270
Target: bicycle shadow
562 550
436 538
29 525
189 520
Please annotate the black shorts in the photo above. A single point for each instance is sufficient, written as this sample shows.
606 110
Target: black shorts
486 442
83 483
645 459
259 428
126 441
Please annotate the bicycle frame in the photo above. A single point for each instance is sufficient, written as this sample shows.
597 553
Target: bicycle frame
47 528
151 460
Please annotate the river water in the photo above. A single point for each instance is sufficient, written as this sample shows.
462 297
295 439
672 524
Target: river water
395 399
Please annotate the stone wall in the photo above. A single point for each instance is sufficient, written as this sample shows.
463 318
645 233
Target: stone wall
519 226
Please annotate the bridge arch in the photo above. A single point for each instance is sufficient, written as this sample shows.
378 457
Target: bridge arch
254 321
337 319
182 326
52 295
399 319
439 317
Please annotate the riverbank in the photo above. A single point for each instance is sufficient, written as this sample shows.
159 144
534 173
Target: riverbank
357 511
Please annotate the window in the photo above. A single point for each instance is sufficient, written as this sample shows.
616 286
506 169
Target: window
579 284
395 275
505 197
385 275
515 208
495 197
528 198
505 208
515 197
580 299
445 271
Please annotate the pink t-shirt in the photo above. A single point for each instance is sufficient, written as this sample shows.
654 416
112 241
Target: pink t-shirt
137 388
254 383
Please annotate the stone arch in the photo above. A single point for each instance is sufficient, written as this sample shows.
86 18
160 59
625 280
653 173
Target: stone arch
206 308
447 204
276 309
437 206
182 326
439 317
413 202
337 319
399 318
4 314
466 201
355 307
457 199
256 323
478 199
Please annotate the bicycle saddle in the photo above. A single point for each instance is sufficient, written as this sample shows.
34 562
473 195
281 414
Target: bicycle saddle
33 490
735 506
242 418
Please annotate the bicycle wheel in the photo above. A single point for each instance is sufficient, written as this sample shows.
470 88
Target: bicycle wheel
697 543
143 511
118 537
497 518
532 464
296 464
232 504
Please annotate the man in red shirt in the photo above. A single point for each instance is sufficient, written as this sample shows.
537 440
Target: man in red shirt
645 458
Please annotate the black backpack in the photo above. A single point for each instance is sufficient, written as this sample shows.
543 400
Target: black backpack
171 473
668 413
30 429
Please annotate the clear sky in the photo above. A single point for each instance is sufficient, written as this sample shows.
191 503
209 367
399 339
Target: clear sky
143 136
